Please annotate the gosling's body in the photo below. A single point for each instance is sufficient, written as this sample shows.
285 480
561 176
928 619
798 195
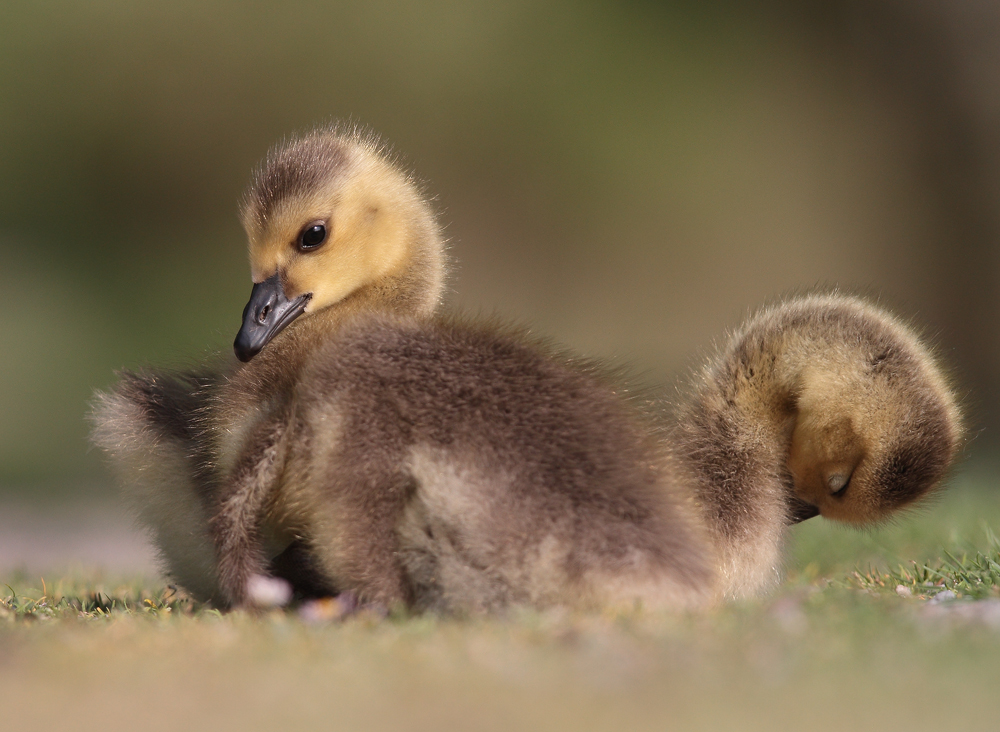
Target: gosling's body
375 448
424 461
455 467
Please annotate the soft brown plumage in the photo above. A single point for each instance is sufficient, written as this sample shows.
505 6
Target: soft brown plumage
375 448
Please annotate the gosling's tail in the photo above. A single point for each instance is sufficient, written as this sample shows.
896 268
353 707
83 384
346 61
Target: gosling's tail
148 426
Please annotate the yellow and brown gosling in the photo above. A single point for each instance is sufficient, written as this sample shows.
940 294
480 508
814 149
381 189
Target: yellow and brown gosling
367 445
820 405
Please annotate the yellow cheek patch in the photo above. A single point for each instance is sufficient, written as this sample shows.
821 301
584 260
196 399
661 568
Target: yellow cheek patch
326 287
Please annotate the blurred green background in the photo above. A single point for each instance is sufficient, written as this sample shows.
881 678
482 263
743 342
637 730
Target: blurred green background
630 178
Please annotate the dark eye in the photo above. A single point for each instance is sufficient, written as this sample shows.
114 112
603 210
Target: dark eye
312 236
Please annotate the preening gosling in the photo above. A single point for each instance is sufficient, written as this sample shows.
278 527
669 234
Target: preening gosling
823 405
368 445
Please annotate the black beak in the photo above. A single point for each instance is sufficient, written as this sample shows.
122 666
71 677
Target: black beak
800 510
266 315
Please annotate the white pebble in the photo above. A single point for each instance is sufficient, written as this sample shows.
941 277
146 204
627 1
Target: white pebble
268 591
904 591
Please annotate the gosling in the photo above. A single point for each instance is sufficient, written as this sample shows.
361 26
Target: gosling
368 445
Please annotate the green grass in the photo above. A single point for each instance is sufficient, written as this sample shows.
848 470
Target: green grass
837 647
75 600
971 575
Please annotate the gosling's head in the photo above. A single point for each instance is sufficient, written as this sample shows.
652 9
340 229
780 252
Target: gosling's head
877 426
328 215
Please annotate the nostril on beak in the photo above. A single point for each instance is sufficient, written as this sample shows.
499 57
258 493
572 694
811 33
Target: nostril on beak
262 316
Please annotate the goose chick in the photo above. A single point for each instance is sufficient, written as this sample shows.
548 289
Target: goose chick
174 438
366 446
824 405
